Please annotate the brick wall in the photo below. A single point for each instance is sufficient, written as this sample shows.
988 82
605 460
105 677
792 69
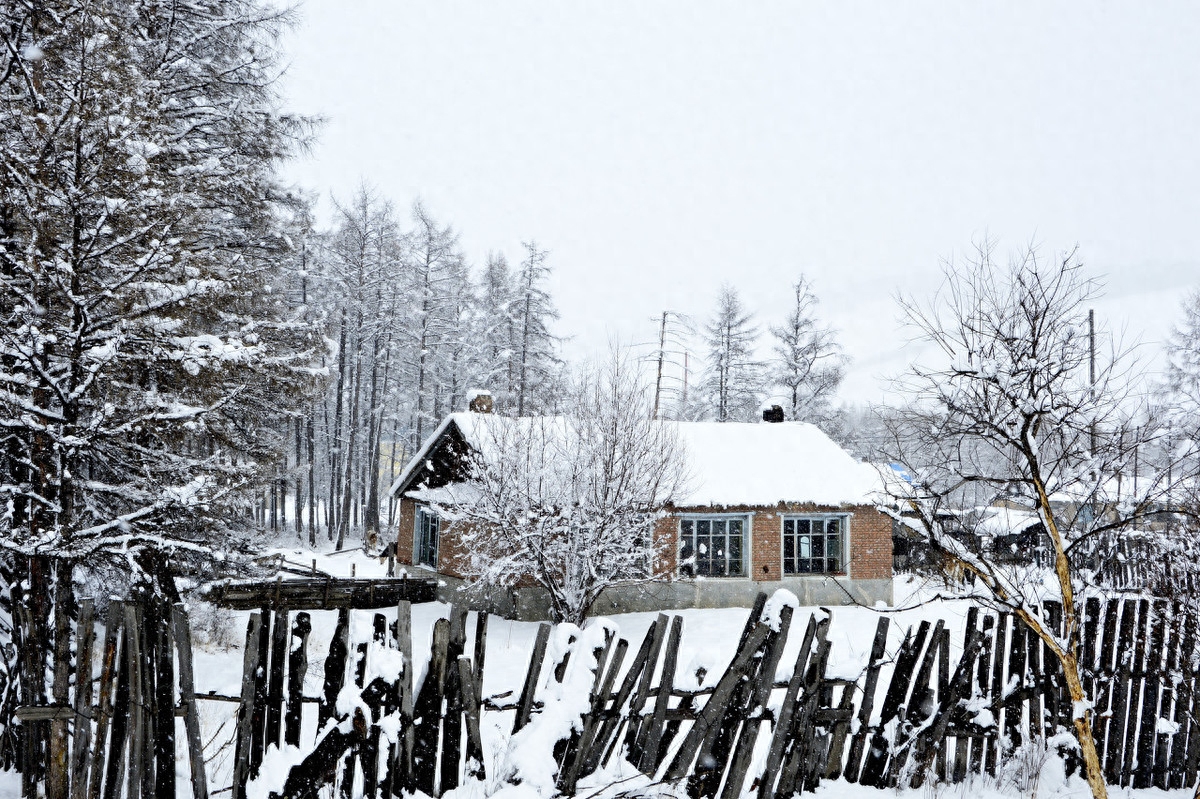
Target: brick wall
869 556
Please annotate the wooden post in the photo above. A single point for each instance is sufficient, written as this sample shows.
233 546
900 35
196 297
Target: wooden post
81 745
715 706
783 724
335 668
241 765
114 770
134 625
859 741
109 667
280 635
452 723
638 701
164 700
427 711
258 720
481 625
525 703
652 731
187 696
470 693
297 669
404 751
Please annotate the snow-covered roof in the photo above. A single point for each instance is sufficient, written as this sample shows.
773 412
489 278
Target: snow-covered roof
728 463
1006 521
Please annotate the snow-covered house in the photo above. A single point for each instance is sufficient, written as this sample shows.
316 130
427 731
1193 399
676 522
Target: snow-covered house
768 506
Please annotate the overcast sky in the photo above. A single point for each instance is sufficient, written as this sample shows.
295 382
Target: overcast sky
660 149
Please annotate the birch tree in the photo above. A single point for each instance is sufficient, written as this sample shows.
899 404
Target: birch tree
1006 409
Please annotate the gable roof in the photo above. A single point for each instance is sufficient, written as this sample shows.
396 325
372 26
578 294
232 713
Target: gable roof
728 463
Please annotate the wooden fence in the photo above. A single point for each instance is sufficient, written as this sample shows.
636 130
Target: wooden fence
929 708
120 727
914 714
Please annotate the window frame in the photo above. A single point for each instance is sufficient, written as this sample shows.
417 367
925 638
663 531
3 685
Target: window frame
433 524
843 536
746 565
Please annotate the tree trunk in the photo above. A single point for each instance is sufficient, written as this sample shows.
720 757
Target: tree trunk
1083 730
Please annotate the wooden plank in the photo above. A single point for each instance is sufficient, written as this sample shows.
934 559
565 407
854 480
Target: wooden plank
962 742
638 700
241 764
114 772
783 724
919 708
1148 737
1014 706
610 732
109 665
427 711
1136 689
713 709
1168 691
481 626
652 732
577 746
839 733
1036 678
1123 649
1189 725
335 668
320 594
280 637
404 750
164 686
591 747
928 741
873 771
134 623
187 696
999 648
474 754
756 710
296 670
452 722
348 764
525 703
878 647
943 683
1104 671
983 683
81 745
801 763
369 751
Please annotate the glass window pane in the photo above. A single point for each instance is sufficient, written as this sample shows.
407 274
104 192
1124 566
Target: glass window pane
789 527
803 526
703 527
803 548
818 546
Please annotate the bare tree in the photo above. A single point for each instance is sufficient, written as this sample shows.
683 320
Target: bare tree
809 363
1018 410
568 502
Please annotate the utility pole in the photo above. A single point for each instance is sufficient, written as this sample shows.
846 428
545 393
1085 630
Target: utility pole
662 345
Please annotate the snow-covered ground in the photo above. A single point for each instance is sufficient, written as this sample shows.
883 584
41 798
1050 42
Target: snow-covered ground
709 639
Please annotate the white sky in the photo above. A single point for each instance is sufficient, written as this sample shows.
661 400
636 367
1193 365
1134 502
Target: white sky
659 149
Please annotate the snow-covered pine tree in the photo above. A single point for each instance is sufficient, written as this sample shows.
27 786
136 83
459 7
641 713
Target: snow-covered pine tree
147 349
538 366
498 332
808 363
733 378
432 261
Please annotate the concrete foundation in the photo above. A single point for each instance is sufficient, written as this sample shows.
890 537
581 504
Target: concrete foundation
531 603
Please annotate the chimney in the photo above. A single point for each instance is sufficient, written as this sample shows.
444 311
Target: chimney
773 414
480 401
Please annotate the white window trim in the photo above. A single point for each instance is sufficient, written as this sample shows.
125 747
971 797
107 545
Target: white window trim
846 559
747 543
417 540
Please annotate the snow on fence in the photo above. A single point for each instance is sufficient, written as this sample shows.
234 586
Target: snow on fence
931 709
914 715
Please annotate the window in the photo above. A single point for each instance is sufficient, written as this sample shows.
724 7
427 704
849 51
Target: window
427 538
813 546
712 547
